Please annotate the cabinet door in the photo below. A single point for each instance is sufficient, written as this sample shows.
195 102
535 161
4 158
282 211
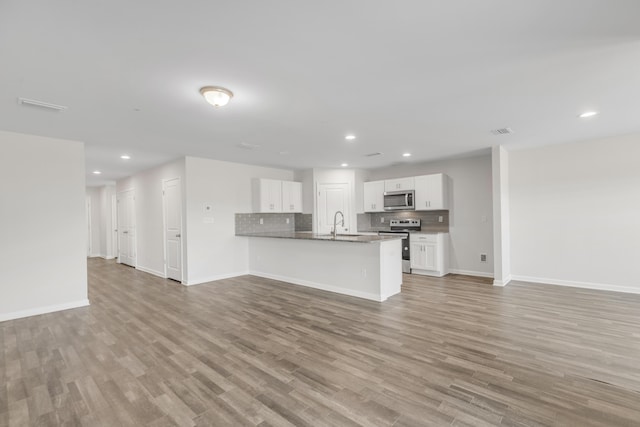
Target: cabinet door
399 184
275 195
291 196
418 256
430 256
374 196
267 195
431 192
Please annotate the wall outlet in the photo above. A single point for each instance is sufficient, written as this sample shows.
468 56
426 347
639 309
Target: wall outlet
287 220
261 221
381 219
483 257
440 219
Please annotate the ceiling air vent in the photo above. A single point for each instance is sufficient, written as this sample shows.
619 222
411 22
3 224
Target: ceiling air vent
247 146
377 153
503 131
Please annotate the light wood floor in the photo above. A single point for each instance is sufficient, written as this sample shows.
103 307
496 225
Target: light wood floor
250 351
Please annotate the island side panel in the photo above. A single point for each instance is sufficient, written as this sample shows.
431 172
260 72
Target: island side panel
341 267
390 268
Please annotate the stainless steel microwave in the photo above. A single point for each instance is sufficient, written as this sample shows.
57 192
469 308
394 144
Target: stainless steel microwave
399 200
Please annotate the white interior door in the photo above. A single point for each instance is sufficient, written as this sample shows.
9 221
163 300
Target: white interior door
126 228
333 198
172 200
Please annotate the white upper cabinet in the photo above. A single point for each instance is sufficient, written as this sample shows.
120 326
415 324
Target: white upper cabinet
431 192
267 195
374 196
276 196
400 184
291 196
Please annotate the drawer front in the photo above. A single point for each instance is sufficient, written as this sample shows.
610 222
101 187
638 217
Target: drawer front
429 238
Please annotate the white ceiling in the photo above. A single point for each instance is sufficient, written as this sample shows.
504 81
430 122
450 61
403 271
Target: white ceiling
429 77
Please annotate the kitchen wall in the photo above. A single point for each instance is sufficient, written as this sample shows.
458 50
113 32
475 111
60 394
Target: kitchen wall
575 213
44 239
271 222
147 187
429 220
214 250
470 228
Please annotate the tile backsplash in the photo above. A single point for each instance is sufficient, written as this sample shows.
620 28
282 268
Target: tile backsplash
250 223
380 220
303 222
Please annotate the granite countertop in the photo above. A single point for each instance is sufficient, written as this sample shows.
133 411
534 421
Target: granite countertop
308 235
423 231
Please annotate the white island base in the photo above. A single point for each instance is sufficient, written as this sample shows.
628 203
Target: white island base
366 270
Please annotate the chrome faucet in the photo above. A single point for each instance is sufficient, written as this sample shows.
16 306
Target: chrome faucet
334 233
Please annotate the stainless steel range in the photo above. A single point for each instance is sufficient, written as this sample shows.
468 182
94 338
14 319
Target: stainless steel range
403 227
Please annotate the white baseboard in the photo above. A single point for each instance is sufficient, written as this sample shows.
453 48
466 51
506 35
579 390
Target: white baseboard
202 280
576 284
43 310
471 273
503 282
94 256
321 286
109 257
151 271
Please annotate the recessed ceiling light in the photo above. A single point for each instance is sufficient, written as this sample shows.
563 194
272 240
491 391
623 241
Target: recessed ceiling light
216 96
344 165
97 172
406 155
588 114
350 137
125 157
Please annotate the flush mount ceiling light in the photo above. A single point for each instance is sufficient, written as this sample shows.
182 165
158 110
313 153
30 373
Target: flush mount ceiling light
97 172
350 137
125 157
344 165
588 114
406 155
216 96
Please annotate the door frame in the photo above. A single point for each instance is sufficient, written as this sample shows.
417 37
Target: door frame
133 219
164 229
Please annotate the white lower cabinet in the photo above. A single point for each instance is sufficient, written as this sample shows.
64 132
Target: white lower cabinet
429 254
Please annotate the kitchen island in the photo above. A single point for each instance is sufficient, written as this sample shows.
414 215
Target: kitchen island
363 266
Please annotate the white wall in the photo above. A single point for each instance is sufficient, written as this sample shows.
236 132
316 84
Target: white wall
306 178
575 213
470 217
501 221
147 186
101 222
93 198
214 252
43 245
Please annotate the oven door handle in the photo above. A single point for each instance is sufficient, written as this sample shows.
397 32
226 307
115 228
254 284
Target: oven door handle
406 199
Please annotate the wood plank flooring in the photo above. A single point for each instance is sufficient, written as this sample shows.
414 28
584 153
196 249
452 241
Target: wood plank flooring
256 352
